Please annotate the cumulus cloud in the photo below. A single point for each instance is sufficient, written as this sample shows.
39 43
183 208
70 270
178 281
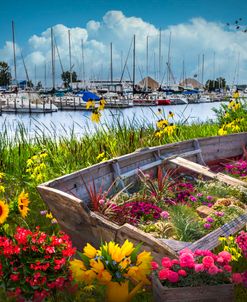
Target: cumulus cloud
189 41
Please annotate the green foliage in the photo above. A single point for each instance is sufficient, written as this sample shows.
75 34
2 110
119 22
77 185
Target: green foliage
67 77
5 75
212 85
221 190
187 224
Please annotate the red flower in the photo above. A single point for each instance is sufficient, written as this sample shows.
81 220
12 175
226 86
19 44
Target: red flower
173 276
166 262
154 265
208 261
182 272
163 274
14 277
237 278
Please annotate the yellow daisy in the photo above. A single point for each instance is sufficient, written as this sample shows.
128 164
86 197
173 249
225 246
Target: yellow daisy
23 203
4 211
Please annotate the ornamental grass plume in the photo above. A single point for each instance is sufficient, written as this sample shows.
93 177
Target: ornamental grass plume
112 263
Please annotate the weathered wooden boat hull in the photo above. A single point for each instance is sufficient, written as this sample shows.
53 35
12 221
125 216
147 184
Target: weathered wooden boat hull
68 199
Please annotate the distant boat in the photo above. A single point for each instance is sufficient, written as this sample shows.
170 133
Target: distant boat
178 100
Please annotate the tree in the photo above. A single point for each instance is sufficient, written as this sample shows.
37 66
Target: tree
30 84
66 78
39 85
5 75
219 83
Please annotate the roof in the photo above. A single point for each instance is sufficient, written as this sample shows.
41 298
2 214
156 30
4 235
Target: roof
149 83
191 82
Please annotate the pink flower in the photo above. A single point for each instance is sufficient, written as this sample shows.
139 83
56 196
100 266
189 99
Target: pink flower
226 256
175 261
182 272
199 267
154 265
186 260
166 262
101 201
208 261
227 268
163 274
207 225
237 278
164 214
210 219
173 276
213 270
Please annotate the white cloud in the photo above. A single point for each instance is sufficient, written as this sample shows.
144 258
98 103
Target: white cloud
196 37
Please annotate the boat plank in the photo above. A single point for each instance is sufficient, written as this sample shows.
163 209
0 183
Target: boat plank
175 244
211 240
195 167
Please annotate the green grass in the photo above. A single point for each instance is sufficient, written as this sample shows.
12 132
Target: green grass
68 153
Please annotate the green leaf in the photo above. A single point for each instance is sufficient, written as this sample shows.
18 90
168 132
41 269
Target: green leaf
134 254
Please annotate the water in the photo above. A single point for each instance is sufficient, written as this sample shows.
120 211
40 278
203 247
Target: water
61 123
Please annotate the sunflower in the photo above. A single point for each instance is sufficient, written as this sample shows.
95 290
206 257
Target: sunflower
4 211
23 202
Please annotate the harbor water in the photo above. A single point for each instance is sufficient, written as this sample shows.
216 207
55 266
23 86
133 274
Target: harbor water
61 123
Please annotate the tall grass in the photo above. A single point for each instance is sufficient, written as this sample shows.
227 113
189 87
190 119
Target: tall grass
67 152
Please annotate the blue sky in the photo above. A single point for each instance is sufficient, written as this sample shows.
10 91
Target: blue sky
33 17
197 27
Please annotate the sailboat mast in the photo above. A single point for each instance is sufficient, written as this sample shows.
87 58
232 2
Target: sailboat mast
70 68
52 60
159 56
45 76
83 62
13 39
25 68
134 59
168 61
111 68
146 82
202 69
214 70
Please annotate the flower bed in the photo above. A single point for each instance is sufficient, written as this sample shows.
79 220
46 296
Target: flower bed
198 276
172 207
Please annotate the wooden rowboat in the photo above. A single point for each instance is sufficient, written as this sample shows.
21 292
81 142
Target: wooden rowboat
68 199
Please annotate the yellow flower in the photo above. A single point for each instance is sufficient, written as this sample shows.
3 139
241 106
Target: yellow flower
222 131
49 215
104 276
132 272
158 134
127 248
4 211
23 203
101 155
88 288
2 189
144 257
78 269
123 264
89 276
95 117
115 252
97 265
162 123
89 251
1 175
89 104
102 104
170 115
